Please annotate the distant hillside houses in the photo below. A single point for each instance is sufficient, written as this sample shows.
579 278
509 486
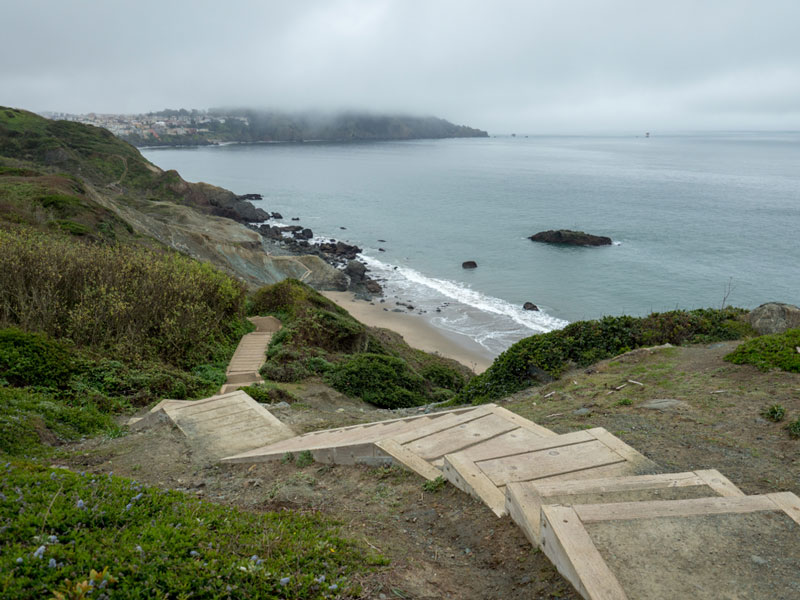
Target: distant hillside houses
151 125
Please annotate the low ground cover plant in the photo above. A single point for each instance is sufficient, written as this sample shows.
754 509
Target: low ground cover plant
59 526
766 352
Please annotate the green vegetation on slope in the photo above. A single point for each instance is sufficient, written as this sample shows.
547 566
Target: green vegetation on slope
776 351
546 356
59 526
321 338
94 327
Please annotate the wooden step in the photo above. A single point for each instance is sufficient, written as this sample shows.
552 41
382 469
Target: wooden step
700 548
524 500
485 469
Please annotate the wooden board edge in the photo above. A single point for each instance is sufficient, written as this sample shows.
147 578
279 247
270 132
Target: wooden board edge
567 544
614 484
629 453
522 422
437 425
651 509
525 516
788 503
719 483
466 476
409 459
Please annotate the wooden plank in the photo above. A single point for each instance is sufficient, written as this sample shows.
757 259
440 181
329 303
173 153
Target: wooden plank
523 422
462 436
593 513
719 483
522 441
623 449
409 459
788 503
443 423
522 507
617 484
464 474
569 547
547 463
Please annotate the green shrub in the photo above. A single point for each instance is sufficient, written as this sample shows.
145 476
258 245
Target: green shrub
318 365
290 298
269 393
160 544
794 428
29 418
443 376
776 351
384 381
775 413
286 366
546 356
136 303
33 359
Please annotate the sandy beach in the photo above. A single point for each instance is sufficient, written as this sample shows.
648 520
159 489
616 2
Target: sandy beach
416 331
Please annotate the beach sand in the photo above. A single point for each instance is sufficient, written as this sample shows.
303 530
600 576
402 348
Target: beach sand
416 331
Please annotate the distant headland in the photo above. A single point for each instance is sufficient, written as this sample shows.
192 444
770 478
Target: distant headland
184 127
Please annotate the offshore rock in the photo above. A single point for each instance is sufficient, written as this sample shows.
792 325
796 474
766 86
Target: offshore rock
469 264
572 238
530 306
774 317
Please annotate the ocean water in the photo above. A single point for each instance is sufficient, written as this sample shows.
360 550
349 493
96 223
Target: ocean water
696 219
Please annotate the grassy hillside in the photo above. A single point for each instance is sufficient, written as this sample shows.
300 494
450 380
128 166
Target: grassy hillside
544 357
321 338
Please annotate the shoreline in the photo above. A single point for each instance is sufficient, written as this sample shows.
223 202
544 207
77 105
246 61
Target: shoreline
416 331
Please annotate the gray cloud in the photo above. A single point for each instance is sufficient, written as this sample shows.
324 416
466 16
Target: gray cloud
524 66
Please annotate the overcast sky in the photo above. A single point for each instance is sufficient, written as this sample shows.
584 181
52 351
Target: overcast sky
532 66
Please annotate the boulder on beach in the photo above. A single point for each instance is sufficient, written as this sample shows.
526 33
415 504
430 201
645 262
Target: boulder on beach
469 264
572 238
530 306
774 317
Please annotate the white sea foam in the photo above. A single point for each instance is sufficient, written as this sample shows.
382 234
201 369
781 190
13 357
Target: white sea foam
492 322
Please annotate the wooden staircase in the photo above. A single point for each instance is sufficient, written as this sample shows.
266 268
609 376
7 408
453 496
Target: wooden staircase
586 498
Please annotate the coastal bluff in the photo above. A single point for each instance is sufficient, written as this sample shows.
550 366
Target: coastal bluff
570 238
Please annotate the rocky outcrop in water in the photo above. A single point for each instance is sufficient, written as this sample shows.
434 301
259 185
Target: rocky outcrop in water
469 264
572 238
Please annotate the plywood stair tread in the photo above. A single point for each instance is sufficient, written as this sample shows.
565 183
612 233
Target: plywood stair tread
700 548
485 469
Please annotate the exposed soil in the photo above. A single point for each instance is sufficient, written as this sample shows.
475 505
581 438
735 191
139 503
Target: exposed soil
444 544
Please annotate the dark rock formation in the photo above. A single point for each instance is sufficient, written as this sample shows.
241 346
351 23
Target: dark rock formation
573 238
276 215
304 234
250 197
469 264
530 306
774 317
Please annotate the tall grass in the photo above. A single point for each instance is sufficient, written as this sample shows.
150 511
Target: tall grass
138 303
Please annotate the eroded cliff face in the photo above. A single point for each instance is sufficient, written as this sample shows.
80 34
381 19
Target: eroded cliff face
222 242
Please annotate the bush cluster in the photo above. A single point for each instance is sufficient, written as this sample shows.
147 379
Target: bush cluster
137 303
548 355
320 338
776 351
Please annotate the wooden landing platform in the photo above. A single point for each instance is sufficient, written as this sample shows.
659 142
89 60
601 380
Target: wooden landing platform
701 548
419 443
524 500
485 470
222 425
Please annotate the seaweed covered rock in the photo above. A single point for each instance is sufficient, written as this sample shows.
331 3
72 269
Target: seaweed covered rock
572 238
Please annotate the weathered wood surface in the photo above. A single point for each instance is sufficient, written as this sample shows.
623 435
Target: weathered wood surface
524 500
570 542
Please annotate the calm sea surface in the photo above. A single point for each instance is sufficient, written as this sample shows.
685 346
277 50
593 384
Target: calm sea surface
690 215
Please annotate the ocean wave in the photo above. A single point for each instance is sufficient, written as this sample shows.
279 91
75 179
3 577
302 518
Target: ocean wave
536 321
